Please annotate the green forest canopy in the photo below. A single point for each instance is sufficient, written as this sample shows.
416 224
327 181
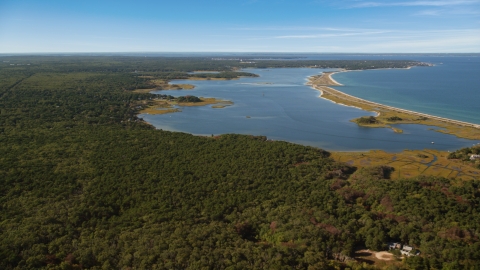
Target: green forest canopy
85 184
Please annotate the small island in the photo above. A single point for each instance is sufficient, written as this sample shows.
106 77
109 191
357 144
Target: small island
164 104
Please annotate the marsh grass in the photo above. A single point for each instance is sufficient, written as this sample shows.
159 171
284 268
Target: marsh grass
164 106
411 163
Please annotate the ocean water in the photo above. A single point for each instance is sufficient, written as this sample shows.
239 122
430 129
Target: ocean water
280 106
450 89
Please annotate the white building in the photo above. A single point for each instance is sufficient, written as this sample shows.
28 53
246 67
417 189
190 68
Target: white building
474 157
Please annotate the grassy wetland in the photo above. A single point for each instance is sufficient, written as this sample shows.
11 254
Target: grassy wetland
412 163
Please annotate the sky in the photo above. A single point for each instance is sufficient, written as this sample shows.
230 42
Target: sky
313 26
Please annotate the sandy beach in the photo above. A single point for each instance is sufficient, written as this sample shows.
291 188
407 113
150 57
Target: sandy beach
323 81
333 80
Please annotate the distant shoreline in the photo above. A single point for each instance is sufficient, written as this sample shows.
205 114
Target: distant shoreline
323 82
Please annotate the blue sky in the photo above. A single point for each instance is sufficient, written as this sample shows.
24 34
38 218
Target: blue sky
388 26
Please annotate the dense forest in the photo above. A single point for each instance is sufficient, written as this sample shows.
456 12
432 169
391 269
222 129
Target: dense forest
85 184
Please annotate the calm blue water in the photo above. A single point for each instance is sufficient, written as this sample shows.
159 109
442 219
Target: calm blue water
450 89
280 106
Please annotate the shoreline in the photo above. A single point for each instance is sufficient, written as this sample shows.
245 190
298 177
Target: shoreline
426 162
385 116
332 79
323 81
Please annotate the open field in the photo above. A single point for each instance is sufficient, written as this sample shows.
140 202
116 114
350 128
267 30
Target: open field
412 163
449 126
381 259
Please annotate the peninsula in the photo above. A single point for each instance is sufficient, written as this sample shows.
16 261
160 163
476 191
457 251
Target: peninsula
388 115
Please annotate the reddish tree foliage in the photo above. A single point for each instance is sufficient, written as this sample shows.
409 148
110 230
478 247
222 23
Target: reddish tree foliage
329 228
51 259
273 226
338 184
387 203
70 258
456 233
289 244
350 194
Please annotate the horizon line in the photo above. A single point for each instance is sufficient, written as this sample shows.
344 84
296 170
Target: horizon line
237 52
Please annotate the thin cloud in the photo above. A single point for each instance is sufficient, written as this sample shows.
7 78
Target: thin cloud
330 35
450 11
302 28
437 44
371 34
459 40
415 4
110 38
430 12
